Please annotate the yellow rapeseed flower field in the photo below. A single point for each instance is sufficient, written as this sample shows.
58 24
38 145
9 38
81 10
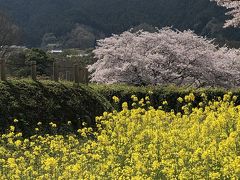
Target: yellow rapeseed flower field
140 143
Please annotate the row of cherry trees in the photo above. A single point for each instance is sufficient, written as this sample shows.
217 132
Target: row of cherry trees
168 56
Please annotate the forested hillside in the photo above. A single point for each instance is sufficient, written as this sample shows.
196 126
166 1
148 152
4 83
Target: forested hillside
105 17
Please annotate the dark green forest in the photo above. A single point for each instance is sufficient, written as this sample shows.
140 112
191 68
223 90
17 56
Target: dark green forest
104 17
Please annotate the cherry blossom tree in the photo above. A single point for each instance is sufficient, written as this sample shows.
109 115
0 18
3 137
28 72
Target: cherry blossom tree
164 57
234 10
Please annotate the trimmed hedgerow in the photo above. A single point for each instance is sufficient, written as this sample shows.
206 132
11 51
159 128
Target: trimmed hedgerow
46 101
159 94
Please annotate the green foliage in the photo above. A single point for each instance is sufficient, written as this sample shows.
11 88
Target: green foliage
114 16
16 64
69 57
42 59
19 62
46 101
32 102
158 94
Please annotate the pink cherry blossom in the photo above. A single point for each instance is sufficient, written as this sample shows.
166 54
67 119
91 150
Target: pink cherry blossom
165 57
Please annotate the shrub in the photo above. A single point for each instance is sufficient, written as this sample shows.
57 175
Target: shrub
31 102
200 143
159 94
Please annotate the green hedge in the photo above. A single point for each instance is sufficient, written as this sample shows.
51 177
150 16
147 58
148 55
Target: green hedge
32 102
159 94
46 101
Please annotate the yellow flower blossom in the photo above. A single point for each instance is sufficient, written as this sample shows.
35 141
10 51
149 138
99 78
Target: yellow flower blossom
165 103
200 142
180 100
115 99
49 163
53 125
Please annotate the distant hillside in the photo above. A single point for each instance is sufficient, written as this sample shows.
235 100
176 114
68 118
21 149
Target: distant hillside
114 16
